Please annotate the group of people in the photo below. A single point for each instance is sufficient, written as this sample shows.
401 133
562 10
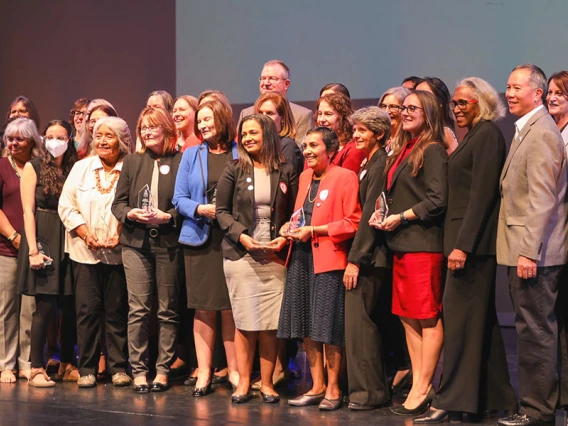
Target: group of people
373 237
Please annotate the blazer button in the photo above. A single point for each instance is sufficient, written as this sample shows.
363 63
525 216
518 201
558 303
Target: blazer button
272 228
389 200
272 209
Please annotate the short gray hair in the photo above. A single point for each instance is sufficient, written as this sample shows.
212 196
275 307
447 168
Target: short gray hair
398 92
281 64
491 105
537 77
26 128
120 129
375 119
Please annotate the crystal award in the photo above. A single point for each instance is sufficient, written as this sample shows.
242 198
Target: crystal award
297 220
103 232
43 248
381 209
145 201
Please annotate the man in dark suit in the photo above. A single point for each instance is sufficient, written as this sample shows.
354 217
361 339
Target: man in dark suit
531 241
275 77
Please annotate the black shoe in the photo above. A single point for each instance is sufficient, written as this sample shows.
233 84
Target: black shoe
402 388
217 380
355 406
270 399
242 399
178 373
202 391
523 420
158 387
143 388
432 416
190 381
331 404
401 410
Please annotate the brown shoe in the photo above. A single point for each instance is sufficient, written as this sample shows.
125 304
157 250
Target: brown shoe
121 379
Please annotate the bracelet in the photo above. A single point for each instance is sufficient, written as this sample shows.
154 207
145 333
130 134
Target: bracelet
312 231
34 253
13 236
403 220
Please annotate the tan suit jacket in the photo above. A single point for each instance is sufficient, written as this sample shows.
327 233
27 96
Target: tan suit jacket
303 117
533 214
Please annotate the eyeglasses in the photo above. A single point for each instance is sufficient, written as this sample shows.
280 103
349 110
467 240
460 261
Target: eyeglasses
151 129
391 107
19 111
12 139
270 79
410 108
462 103
79 113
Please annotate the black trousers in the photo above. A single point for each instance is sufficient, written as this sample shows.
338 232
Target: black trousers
99 289
475 374
537 343
45 307
562 313
366 372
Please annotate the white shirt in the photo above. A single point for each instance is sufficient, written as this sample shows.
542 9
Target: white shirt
81 203
521 122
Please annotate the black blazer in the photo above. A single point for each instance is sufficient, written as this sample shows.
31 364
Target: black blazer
427 195
235 205
369 245
136 172
292 154
474 169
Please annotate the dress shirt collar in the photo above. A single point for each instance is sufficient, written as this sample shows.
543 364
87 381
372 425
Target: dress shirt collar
521 122
96 164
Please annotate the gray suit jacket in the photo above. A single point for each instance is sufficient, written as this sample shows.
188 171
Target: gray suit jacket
533 215
302 116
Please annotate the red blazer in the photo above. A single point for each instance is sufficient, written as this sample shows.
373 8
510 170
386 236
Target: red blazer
337 205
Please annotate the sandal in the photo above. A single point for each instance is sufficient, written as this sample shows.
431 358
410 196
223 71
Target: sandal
48 383
71 374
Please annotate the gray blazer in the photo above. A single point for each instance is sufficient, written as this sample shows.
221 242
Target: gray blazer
303 117
533 215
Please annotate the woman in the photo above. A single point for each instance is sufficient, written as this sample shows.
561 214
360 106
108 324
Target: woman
367 276
255 198
330 88
416 190
333 111
277 107
45 272
313 302
439 89
150 251
476 377
160 99
23 143
183 115
195 199
391 101
85 137
77 116
23 107
92 244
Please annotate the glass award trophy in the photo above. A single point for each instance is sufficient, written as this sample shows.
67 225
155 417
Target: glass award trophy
43 248
381 209
297 220
145 201
103 232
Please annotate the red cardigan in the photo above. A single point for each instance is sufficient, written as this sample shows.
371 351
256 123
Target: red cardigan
337 205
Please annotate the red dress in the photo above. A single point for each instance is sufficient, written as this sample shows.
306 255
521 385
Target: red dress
417 277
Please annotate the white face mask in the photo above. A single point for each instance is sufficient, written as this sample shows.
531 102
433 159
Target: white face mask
56 147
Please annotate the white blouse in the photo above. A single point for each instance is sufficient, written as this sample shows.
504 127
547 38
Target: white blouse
81 203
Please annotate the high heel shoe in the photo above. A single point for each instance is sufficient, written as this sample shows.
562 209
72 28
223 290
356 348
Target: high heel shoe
402 388
202 391
270 399
241 399
401 410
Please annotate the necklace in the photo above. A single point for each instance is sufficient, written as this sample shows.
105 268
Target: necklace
100 186
13 163
309 191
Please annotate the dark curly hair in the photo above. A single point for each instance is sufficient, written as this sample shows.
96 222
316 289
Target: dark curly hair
344 108
50 177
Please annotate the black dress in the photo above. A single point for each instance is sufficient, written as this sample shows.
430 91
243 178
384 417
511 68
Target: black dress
55 279
313 305
206 284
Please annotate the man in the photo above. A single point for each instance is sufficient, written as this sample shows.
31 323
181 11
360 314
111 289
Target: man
531 241
275 77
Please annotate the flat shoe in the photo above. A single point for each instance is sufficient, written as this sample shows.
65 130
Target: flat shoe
143 388
37 384
305 400
241 399
270 399
190 381
363 407
217 380
121 379
202 391
88 381
71 374
331 404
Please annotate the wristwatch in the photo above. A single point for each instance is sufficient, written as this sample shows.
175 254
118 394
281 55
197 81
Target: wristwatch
403 220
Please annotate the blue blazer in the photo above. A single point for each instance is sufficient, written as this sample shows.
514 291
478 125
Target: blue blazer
191 190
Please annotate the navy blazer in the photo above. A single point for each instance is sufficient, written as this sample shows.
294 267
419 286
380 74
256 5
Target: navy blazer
191 191
136 172
426 194
235 205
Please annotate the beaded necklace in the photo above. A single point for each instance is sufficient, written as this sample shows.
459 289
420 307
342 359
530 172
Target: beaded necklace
100 186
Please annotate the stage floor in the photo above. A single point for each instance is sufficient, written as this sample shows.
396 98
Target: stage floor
106 405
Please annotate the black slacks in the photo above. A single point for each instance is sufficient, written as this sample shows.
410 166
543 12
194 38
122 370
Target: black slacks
366 372
475 375
537 343
562 313
101 288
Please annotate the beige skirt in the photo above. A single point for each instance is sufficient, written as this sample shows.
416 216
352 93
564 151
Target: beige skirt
256 285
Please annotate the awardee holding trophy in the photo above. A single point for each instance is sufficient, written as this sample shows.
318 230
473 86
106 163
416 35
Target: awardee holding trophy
149 238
